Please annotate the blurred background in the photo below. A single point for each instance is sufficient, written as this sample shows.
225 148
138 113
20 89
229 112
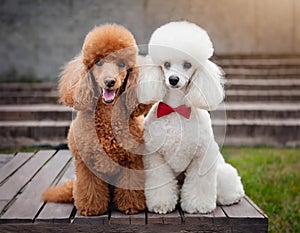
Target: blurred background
256 42
37 37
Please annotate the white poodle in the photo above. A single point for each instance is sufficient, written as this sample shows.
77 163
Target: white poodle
178 134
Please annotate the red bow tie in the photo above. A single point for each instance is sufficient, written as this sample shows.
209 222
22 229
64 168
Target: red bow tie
164 109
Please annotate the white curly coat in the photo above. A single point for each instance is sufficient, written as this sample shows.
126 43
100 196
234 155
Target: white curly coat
175 144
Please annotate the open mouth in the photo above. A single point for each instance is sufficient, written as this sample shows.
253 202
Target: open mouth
108 95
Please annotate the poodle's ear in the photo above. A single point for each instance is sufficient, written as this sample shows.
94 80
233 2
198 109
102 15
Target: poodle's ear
150 86
75 85
134 107
206 88
131 96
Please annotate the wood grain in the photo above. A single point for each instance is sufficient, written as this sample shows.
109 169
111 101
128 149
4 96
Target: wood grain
29 202
24 179
11 166
242 210
59 212
119 218
138 219
91 220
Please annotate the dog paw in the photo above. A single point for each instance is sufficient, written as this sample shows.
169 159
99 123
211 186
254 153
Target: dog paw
162 208
130 201
196 204
230 199
163 199
89 211
201 208
162 204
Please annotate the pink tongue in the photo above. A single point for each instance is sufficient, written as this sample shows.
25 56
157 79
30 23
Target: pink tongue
108 95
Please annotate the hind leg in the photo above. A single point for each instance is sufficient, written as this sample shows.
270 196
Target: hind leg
91 194
229 186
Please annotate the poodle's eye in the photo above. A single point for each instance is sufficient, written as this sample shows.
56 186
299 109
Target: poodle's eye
99 63
187 65
121 64
167 65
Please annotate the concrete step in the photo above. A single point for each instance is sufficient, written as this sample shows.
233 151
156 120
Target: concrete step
258 62
261 110
259 77
254 132
262 84
45 86
262 72
28 97
262 95
275 132
237 88
16 134
36 112
234 110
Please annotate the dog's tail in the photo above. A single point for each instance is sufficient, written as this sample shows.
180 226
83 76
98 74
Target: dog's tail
62 193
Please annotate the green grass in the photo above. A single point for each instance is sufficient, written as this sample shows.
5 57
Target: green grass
271 178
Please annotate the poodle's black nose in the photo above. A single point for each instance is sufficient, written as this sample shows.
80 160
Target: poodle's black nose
109 82
173 80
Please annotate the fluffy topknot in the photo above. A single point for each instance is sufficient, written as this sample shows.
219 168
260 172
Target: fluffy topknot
179 40
105 40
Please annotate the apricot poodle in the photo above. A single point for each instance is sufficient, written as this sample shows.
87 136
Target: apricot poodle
106 135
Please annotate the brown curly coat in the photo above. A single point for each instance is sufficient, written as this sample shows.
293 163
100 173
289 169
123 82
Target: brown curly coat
104 137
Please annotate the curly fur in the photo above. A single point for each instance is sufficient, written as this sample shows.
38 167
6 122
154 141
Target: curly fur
104 136
175 144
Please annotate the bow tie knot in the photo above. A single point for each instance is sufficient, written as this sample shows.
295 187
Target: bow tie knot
164 109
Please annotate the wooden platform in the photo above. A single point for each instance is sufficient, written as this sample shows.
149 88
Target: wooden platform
27 175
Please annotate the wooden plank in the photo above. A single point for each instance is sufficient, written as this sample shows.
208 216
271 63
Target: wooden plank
104 228
4 158
91 220
220 217
243 217
119 218
242 210
23 175
153 218
198 219
138 219
13 165
255 206
29 202
2 204
172 218
59 212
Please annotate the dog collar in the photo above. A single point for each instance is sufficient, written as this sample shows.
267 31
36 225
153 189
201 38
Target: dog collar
164 109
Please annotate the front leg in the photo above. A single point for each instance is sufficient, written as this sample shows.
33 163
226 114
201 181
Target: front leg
129 195
91 194
199 191
160 186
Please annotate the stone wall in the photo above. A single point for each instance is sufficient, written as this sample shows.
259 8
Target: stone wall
39 36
